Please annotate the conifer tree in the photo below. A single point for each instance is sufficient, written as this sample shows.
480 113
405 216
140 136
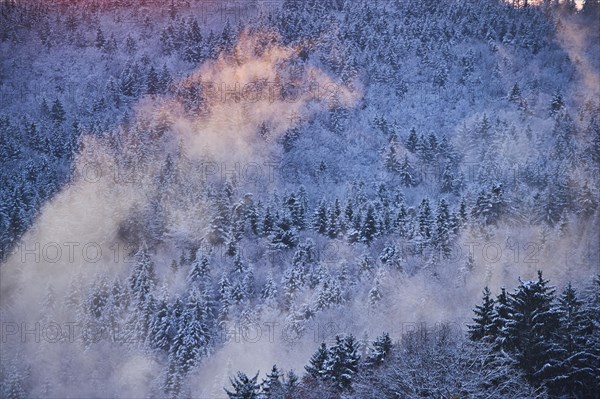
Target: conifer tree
576 356
406 174
160 329
369 228
320 219
425 220
483 329
152 82
272 387
442 226
57 112
533 322
142 279
100 41
341 366
244 387
268 222
381 349
413 140
199 274
318 362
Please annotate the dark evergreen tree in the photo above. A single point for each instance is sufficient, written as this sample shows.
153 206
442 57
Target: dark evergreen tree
529 333
317 365
272 386
369 227
448 179
571 367
502 315
268 222
192 338
320 219
515 94
98 297
244 387
297 211
143 278
159 335
380 351
284 235
269 291
442 229
100 41
130 45
199 275
557 104
57 113
152 82
164 79
173 380
484 327
291 384
342 364
406 173
425 221
193 42
413 141
390 159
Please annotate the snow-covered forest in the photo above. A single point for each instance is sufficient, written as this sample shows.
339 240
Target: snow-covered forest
300 199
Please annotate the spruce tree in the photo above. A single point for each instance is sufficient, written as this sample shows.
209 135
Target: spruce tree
160 328
192 338
318 362
380 351
199 274
369 228
515 94
406 174
341 366
425 221
268 222
571 367
57 112
442 226
173 379
164 79
152 83
143 278
100 41
390 159
285 235
320 219
483 329
269 291
557 104
412 141
272 387
244 387
529 333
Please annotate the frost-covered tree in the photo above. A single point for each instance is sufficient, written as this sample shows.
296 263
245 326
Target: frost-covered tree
484 326
320 219
272 387
443 229
369 227
342 363
199 274
529 333
244 387
142 279
380 350
161 327
318 363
